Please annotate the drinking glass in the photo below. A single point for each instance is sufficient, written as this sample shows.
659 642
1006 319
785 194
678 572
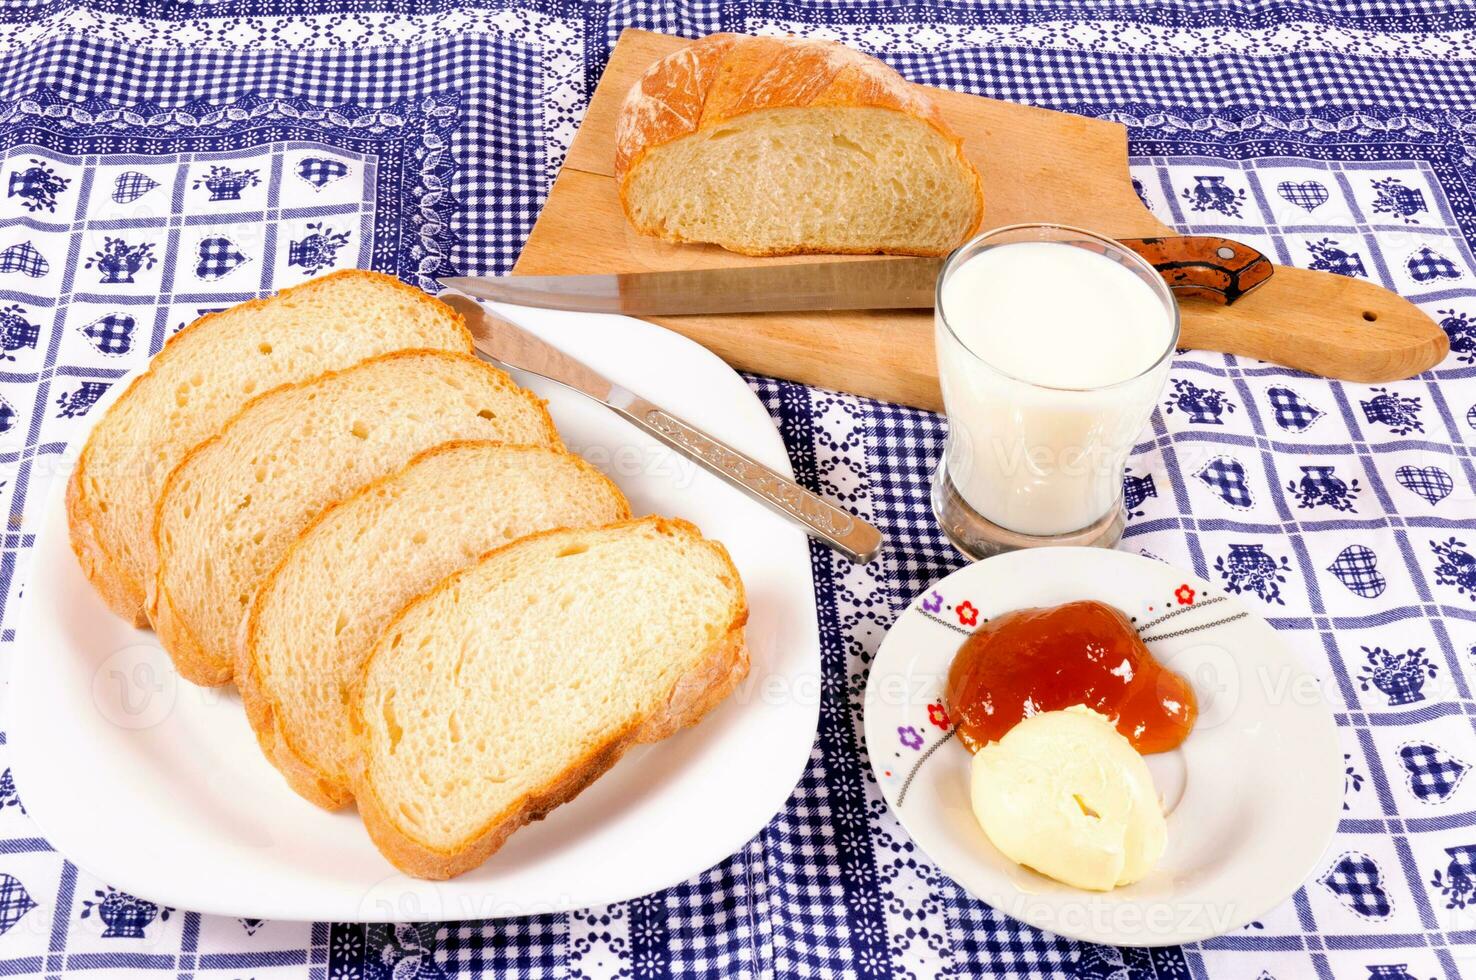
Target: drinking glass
1029 464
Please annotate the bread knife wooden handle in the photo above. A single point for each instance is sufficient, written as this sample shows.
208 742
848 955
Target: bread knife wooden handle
509 345
1206 267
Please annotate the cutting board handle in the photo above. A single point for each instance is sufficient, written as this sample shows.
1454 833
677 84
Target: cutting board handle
1321 323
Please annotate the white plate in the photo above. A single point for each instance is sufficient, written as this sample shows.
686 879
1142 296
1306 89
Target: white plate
158 788
1253 795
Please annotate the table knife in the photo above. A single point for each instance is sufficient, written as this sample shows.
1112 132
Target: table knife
1203 266
508 345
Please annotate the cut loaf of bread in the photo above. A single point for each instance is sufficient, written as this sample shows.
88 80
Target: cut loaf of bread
202 377
317 615
236 502
515 683
773 146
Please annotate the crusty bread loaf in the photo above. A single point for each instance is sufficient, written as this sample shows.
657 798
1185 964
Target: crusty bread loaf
319 612
202 377
513 684
235 503
772 146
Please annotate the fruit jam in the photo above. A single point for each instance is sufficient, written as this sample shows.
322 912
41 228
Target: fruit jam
1034 660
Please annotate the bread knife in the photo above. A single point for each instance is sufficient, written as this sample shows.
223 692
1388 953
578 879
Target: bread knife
1203 266
508 345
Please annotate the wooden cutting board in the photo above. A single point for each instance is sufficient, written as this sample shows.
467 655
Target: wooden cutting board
1037 165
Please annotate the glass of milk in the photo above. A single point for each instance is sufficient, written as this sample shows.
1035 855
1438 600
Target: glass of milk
1053 348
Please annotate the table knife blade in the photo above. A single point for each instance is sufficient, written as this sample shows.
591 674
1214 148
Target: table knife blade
508 345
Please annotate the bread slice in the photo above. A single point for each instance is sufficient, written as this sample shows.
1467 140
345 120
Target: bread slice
202 377
231 509
319 612
515 683
773 146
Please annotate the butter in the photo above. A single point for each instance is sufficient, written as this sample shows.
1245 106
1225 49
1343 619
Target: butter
1067 795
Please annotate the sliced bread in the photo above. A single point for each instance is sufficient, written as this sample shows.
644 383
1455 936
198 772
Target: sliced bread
202 377
515 683
779 145
237 501
319 612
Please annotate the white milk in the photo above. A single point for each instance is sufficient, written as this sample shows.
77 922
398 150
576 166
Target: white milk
1049 372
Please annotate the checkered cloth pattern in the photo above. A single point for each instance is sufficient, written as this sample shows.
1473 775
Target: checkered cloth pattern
218 256
1427 265
24 258
129 187
1308 195
1289 411
1226 477
112 334
1433 774
1327 135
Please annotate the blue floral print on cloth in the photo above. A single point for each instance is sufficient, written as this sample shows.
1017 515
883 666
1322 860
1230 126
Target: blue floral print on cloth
161 160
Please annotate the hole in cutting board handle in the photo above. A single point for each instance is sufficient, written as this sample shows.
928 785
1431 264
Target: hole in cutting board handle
1370 315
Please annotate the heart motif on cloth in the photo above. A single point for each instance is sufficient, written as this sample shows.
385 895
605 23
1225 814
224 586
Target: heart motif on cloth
1430 482
1433 773
112 333
15 902
321 171
1226 477
23 257
218 257
1357 567
132 185
1427 265
1309 195
1291 411
1357 881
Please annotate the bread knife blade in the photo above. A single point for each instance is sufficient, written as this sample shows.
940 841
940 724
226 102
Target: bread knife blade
1204 266
508 345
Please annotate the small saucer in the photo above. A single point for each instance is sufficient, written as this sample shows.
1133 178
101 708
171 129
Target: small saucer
1253 796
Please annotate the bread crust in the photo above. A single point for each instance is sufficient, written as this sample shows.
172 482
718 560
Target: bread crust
191 659
723 76
262 707
723 666
125 595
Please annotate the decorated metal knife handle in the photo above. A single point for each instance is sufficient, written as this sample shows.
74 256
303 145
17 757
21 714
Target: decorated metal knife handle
1208 267
844 532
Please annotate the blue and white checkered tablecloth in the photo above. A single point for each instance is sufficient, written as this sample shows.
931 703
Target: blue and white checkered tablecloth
163 158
